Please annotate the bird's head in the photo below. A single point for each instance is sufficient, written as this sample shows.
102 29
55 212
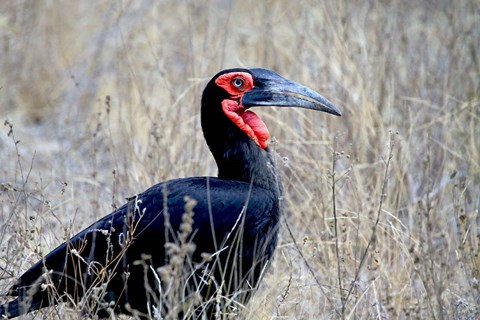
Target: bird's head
237 90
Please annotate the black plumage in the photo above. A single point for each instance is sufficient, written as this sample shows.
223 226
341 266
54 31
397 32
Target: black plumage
216 234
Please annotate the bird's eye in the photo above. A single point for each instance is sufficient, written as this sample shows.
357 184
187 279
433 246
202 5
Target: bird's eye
238 83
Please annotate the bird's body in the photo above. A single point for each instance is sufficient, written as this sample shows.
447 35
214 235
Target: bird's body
137 232
216 235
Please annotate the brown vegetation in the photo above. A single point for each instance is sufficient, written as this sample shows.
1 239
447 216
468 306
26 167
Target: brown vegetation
100 100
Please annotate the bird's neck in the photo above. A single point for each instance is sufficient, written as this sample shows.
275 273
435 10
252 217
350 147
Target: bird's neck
237 155
239 158
246 161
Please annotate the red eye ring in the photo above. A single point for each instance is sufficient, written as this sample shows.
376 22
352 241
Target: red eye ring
235 83
238 83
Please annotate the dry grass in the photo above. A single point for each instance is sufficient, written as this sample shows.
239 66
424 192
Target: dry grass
384 202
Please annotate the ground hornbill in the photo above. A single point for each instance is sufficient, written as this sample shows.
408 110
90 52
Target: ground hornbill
190 247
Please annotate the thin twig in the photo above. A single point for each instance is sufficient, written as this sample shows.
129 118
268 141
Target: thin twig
308 265
335 223
374 227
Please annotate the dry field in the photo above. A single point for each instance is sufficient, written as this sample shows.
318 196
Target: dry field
100 100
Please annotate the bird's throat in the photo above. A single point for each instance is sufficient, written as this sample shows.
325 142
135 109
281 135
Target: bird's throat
248 121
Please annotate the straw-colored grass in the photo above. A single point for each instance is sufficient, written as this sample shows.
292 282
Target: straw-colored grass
100 100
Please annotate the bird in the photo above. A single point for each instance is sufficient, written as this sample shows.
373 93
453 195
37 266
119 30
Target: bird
194 247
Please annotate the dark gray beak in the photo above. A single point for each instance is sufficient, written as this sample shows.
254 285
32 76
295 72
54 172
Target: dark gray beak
271 89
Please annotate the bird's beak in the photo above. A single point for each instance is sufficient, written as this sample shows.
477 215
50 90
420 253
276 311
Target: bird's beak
271 89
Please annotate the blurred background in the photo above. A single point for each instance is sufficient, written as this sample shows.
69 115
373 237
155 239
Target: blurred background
100 100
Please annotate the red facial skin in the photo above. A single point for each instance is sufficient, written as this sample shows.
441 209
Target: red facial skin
236 84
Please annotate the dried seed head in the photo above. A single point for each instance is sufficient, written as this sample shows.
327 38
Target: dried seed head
165 273
206 256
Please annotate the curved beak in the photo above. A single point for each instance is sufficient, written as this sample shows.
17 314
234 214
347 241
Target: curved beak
271 89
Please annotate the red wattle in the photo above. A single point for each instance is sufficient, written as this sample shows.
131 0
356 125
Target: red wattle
247 121
258 126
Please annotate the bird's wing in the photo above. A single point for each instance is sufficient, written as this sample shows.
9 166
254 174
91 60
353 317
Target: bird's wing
139 229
